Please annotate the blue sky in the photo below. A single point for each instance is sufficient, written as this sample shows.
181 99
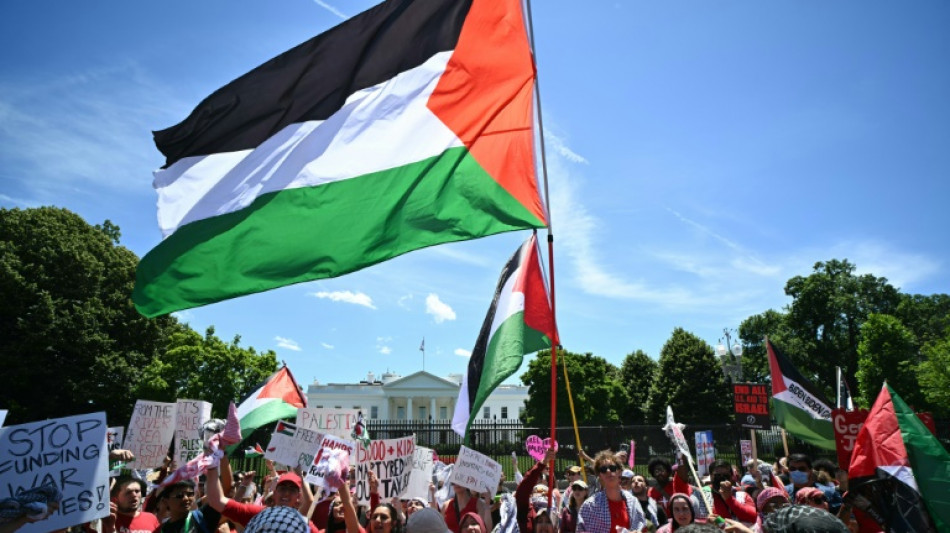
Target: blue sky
700 154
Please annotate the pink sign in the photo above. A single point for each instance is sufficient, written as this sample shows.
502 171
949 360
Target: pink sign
537 447
633 449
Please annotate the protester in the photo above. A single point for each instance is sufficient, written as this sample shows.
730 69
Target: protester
461 503
613 507
426 520
803 519
727 501
280 519
180 496
126 515
578 493
811 496
826 472
801 476
528 506
626 479
384 518
652 511
471 523
661 470
681 513
770 499
572 474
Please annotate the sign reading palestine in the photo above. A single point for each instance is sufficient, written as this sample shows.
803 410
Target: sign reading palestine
752 405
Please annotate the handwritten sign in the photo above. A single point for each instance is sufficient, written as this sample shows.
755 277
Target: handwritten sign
189 417
476 471
390 460
337 422
316 472
745 450
423 465
67 452
537 447
751 401
705 452
150 433
292 446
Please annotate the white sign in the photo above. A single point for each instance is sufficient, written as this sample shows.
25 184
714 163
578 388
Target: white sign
421 475
150 432
337 422
705 452
316 473
114 442
190 415
390 460
3 416
745 447
292 446
67 452
476 471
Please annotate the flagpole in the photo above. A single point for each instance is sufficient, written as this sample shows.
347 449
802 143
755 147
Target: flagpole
577 434
547 197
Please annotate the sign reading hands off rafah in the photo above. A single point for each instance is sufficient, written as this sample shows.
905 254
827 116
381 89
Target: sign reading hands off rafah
69 453
476 471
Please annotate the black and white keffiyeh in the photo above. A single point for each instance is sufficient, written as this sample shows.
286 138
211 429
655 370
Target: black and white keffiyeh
278 520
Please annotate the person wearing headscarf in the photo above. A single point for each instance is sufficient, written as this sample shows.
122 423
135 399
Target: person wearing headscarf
681 513
803 519
769 500
472 523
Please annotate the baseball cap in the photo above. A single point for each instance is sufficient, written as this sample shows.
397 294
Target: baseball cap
579 484
627 473
574 469
291 477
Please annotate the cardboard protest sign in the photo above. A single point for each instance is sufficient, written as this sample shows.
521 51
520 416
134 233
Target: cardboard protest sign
292 446
537 447
190 415
67 452
114 442
705 452
476 471
151 430
751 401
745 450
337 422
390 460
316 473
422 467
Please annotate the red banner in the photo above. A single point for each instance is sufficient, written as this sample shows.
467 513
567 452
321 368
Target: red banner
848 424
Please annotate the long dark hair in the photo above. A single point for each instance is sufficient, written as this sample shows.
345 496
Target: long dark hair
689 503
394 515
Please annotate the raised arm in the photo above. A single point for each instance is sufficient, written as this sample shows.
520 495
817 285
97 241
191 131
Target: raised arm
215 493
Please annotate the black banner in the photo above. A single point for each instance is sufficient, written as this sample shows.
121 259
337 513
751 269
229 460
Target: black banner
752 405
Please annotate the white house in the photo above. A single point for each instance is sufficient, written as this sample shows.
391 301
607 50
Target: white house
417 396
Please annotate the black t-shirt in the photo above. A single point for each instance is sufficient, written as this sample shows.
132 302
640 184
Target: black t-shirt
209 521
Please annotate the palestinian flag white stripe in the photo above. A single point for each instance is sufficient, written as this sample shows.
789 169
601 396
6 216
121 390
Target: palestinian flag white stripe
315 152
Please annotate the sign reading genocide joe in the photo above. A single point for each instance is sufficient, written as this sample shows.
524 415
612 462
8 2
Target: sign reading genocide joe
752 405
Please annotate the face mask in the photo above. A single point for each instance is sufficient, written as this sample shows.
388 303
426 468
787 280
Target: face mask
798 478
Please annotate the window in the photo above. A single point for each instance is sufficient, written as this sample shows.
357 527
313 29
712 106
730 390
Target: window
422 412
443 413
400 413
504 412
486 412
374 412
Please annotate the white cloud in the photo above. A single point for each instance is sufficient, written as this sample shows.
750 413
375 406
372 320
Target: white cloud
327 346
290 344
404 301
439 310
461 352
356 298
557 144
331 9
385 350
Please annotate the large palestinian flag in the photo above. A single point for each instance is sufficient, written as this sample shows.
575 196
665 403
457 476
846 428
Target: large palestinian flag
407 126
899 471
797 405
519 321
278 397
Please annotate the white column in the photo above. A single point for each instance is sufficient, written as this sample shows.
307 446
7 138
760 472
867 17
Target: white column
409 408
432 412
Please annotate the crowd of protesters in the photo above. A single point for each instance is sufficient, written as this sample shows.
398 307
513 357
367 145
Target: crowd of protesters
759 498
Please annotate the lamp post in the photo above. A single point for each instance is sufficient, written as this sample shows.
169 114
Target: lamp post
730 356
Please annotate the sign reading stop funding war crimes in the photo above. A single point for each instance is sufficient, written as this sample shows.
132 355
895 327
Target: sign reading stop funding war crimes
752 405
292 446
190 415
390 460
66 452
705 452
423 465
476 471
316 472
338 422
151 430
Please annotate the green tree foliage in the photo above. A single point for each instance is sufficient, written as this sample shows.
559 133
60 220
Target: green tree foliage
70 340
887 351
934 374
827 310
689 379
928 317
599 397
752 331
205 368
637 374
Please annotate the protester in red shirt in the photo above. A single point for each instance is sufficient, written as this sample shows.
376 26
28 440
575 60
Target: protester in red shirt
126 515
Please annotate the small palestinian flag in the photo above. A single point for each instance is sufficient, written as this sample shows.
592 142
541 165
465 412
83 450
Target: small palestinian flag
278 397
407 126
360 432
900 473
255 451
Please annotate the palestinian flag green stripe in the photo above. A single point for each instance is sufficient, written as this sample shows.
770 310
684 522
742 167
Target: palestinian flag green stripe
299 235
799 423
266 413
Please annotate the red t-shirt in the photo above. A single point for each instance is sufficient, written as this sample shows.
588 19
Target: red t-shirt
242 513
142 523
619 517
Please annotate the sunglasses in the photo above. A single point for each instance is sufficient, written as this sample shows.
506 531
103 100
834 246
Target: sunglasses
183 495
608 468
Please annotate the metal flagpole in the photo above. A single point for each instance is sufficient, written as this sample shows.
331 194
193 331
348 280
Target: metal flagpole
577 434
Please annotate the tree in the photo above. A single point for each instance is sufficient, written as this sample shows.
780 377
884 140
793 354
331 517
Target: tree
637 374
928 317
205 368
887 351
690 380
752 331
599 397
934 374
827 310
70 339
